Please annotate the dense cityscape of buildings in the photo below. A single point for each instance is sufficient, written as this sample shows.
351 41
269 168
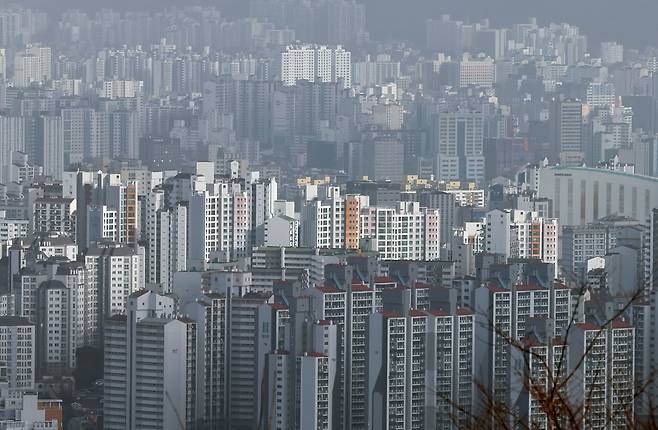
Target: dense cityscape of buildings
275 222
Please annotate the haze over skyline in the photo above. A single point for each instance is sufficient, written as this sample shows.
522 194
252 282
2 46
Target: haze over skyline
394 19
328 214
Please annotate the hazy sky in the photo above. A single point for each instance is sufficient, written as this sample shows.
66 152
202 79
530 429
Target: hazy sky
634 22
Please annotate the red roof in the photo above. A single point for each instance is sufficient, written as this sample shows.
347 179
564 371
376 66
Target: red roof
278 306
389 314
360 287
438 312
328 289
495 288
316 354
281 282
532 342
464 311
421 285
417 313
559 341
383 280
527 287
619 323
588 326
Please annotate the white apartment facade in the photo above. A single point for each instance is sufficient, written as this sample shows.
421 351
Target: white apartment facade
115 273
149 366
521 234
420 369
508 310
478 72
17 353
312 62
602 384
408 232
166 241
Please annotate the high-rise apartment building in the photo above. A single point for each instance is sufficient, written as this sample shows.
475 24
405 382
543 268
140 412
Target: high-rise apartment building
522 234
242 370
17 354
219 224
459 146
327 323
601 95
607 238
323 221
91 134
567 123
316 62
149 366
346 22
263 194
32 65
612 53
420 366
226 316
54 215
49 145
11 229
408 232
301 386
502 314
61 308
602 382
377 71
115 272
443 35
166 241
212 324
107 208
12 138
121 89
477 72
405 231
76 293
248 101
582 243
3 64
446 205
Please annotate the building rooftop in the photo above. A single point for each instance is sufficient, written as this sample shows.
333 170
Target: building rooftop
389 314
7 321
417 313
360 287
495 288
528 287
138 294
604 171
278 306
328 289
588 326
53 200
619 323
